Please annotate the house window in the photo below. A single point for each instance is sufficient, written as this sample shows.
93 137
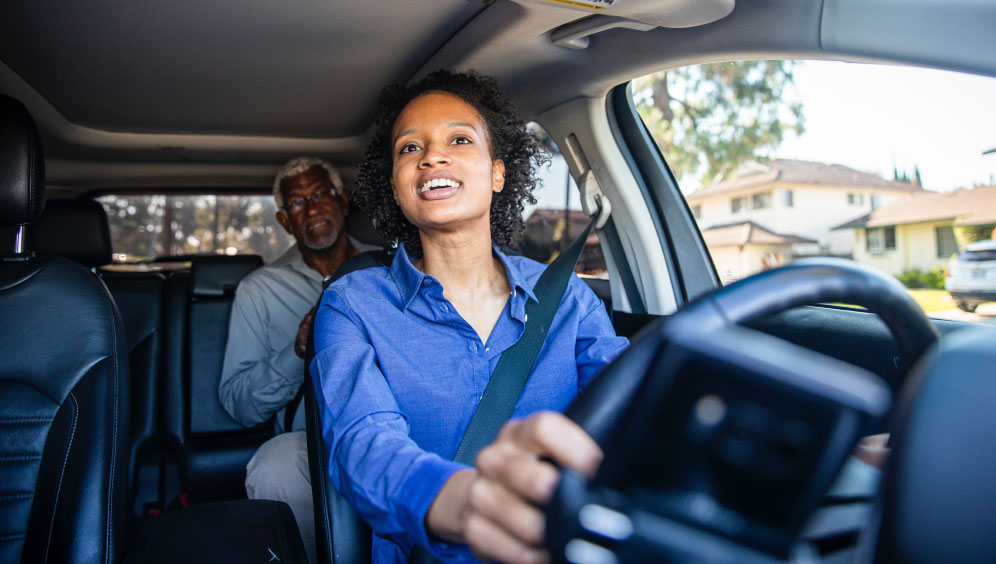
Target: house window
880 239
737 204
787 198
697 212
856 199
761 201
946 243
876 201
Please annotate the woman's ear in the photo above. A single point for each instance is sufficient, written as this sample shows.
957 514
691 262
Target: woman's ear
497 175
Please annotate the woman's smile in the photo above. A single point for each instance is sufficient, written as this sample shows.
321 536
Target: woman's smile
439 187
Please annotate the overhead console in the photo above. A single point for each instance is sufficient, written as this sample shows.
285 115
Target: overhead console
640 15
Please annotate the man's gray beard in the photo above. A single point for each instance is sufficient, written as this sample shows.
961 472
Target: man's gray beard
322 243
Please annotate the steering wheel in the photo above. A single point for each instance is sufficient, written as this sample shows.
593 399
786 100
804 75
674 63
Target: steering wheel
625 400
599 408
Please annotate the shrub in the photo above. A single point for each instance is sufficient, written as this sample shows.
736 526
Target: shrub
915 278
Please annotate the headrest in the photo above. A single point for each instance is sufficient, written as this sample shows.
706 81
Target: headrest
360 226
74 229
22 165
216 276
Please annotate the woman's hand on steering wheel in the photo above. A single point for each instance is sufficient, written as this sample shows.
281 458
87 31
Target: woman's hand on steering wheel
499 516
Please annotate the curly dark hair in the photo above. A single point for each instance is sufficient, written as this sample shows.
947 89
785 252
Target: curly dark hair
509 141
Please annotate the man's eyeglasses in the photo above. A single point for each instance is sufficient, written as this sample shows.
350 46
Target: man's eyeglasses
296 203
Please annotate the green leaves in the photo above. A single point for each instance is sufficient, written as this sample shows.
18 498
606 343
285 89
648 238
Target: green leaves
709 119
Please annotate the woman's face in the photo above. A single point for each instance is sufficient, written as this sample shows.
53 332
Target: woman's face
443 176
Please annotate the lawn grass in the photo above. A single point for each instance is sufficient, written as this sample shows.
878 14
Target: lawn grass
932 301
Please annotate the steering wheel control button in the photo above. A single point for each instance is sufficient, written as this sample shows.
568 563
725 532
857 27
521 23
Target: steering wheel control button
579 551
710 410
606 522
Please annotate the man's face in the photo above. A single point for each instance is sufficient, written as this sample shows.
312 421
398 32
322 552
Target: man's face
311 213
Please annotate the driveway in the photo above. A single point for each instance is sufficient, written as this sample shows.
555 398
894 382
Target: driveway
986 313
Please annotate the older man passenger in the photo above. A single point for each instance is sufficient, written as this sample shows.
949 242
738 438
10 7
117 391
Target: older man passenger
271 315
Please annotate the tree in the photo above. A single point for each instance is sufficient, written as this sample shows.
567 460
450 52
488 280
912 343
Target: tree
709 119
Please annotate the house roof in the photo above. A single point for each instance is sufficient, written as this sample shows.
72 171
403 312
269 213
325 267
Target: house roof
745 233
578 218
798 172
975 206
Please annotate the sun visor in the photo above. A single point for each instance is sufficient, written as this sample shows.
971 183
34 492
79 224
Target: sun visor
658 13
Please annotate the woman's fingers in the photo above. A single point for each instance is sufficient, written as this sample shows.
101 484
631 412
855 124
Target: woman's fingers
518 470
873 449
508 511
504 523
490 542
553 435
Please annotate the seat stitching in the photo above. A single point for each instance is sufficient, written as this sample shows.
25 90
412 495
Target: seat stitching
19 420
62 473
114 437
19 457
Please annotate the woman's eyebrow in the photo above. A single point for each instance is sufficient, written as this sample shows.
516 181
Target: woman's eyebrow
415 129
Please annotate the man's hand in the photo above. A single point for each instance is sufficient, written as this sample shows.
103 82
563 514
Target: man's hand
494 508
301 343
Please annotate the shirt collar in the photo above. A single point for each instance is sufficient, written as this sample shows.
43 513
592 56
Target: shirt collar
296 262
409 279
516 280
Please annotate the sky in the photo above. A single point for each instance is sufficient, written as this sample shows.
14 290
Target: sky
874 117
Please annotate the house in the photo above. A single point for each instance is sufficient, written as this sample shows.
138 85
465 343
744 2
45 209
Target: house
549 231
924 230
804 199
742 248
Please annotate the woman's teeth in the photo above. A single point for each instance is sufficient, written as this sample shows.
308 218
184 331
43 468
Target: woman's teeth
438 183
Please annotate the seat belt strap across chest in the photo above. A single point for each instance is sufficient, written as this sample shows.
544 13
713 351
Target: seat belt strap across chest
516 363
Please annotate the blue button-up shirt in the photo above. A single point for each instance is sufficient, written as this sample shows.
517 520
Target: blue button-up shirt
400 374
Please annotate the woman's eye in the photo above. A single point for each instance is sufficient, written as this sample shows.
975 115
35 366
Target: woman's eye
409 148
460 140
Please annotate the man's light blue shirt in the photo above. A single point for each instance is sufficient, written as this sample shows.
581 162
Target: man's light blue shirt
400 374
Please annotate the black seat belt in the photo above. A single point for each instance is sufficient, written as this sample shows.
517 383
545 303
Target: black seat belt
516 363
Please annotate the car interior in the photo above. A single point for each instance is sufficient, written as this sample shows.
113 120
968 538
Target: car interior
115 446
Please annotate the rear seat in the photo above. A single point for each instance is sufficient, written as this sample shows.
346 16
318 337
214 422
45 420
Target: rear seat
214 448
182 440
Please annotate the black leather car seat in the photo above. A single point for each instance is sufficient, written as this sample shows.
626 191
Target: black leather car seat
63 384
214 447
78 230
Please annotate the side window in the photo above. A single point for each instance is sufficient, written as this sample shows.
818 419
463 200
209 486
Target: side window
145 228
557 218
880 239
783 160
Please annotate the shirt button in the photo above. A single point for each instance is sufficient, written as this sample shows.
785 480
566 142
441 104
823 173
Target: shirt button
473 346
446 308
526 318
486 349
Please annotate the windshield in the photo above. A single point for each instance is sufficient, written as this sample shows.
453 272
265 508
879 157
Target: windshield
781 160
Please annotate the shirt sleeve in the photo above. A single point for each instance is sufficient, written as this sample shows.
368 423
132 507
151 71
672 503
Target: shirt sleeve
373 462
253 384
597 343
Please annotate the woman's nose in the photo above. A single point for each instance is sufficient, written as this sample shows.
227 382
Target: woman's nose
434 155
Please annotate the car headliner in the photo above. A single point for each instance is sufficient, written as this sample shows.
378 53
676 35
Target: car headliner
178 94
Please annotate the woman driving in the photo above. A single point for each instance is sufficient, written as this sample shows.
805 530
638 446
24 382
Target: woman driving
404 352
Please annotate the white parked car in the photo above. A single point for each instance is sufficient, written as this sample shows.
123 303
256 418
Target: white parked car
971 276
